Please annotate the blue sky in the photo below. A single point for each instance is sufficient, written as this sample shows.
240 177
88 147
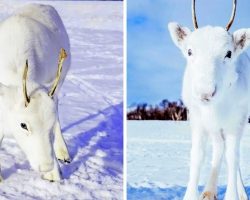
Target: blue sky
155 64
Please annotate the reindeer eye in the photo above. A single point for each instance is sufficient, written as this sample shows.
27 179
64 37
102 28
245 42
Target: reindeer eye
189 52
24 126
229 54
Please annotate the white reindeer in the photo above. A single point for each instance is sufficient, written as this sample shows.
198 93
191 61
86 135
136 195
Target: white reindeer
30 42
216 90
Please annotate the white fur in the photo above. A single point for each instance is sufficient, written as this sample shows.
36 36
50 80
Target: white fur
36 33
216 90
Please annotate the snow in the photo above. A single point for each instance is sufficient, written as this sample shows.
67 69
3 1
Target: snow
90 108
158 160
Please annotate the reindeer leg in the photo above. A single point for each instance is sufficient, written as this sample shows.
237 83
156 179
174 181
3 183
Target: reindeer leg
60 147
232 158
54 174
197 155
210 190
240 187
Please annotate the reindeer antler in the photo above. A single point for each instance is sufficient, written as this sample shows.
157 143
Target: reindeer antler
26 97
229 23
194 15
62 57
232 15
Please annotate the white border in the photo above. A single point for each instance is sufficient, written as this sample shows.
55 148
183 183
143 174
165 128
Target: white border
124 99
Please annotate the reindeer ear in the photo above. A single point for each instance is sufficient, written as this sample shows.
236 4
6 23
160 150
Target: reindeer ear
241 39
178 34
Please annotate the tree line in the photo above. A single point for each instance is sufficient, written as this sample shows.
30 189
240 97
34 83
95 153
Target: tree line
165 110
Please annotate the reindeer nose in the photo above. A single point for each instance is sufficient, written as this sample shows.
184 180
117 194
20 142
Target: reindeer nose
206 97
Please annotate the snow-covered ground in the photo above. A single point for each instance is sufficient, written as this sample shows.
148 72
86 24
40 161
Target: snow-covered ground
158 161
90 109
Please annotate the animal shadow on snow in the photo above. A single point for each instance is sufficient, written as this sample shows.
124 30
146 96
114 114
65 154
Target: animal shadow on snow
6 173
106 137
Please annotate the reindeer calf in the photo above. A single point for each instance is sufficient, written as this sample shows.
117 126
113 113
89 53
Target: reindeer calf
216 90
30 42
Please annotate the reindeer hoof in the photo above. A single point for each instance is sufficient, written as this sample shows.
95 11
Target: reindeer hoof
52 176
62 155
65 160
208 196
243 196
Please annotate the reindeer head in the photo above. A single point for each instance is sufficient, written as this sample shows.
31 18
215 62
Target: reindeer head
212 54
31 119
